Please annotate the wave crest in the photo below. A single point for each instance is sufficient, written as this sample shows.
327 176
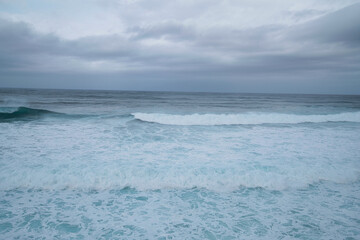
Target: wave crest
244 118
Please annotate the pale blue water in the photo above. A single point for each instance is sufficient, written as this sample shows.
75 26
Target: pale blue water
157 165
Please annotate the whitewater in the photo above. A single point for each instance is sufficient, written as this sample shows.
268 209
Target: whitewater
159 165
248 118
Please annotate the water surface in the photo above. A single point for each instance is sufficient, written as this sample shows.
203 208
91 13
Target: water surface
160 165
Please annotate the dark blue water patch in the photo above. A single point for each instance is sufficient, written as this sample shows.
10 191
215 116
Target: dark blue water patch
5 227
28 114
24 112
68 228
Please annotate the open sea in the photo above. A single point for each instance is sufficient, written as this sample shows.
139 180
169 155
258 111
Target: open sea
163 165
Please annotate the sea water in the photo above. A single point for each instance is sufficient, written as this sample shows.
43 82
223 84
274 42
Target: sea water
161 165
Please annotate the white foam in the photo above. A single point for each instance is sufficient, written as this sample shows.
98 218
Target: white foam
101 154
245 118
110 177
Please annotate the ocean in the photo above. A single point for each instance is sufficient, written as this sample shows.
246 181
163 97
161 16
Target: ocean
78 164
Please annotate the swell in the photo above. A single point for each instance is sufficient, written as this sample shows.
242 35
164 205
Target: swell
29 114
23 113
244 118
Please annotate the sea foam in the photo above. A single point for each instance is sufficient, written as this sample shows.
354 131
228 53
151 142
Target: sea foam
245 118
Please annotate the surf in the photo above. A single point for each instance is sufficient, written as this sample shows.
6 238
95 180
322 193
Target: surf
244 118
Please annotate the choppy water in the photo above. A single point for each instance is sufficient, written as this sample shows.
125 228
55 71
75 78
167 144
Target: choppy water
156 165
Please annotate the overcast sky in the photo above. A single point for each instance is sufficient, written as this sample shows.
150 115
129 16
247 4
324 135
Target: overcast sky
278 46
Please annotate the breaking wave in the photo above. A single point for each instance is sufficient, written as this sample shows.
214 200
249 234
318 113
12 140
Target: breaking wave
244 118
24 112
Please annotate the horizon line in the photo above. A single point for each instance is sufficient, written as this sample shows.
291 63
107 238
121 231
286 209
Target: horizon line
174 91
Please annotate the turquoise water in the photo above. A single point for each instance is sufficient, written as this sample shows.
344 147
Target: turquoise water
157 165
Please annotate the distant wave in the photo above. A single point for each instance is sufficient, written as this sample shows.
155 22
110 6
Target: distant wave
25 113
244 118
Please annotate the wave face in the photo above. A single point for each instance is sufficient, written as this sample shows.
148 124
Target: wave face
246 118
26 113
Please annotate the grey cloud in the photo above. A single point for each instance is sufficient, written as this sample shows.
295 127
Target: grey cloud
255 40
170 29
21 46
308 52
340 26
19 43
19 38
304 15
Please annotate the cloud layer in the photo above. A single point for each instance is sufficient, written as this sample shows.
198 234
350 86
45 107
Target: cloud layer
247 46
